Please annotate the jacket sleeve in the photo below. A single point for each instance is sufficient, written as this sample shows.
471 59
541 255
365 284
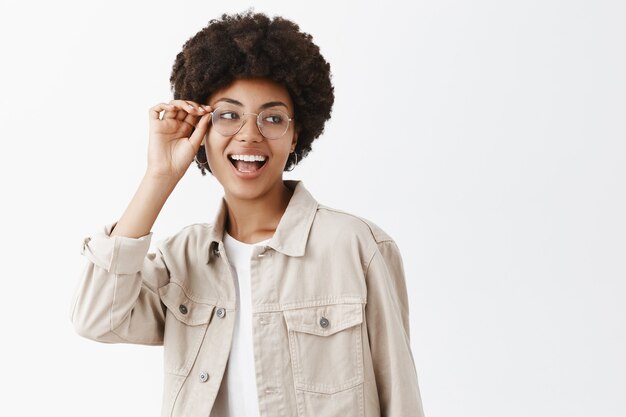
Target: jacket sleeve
387 317
117 298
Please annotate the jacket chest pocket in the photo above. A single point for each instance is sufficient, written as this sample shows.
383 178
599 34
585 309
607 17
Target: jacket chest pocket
325 345
186 322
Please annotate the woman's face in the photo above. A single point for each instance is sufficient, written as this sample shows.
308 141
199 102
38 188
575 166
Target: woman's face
250 179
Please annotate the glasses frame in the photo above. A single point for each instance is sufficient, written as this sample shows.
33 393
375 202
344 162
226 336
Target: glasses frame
258 123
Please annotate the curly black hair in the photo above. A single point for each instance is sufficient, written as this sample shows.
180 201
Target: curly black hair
251 45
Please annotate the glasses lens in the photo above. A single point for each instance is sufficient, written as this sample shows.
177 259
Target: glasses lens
226 121
273 123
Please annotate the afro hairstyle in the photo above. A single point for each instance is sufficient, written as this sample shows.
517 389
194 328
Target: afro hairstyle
252 45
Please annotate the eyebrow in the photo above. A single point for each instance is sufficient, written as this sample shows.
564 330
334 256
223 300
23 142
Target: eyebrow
263 106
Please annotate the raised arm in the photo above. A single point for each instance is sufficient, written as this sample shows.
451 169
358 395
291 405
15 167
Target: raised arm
117 298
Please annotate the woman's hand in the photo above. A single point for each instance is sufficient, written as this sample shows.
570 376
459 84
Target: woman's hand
175 138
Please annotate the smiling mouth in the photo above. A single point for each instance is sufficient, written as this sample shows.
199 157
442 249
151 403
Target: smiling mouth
247 163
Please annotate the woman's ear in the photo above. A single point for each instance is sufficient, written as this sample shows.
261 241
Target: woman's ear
294 141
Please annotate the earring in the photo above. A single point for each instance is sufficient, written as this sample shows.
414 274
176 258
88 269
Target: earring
294 164
195 158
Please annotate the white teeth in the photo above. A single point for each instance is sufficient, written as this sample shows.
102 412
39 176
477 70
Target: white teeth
248 158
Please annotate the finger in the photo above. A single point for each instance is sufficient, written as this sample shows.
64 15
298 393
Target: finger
180 110
201 129
181 115
191 114
188 107
191 119
193 105
177 109
154 112
185 105
174 111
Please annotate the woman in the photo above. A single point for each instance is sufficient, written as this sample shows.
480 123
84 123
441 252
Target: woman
280 306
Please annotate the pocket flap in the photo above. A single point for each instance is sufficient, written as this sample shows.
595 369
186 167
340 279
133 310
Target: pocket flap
185 309
324 320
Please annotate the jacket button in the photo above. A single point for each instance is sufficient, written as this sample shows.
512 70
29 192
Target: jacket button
324 322
204 377
221 312
182 308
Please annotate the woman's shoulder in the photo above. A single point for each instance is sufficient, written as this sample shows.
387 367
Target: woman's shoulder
343 221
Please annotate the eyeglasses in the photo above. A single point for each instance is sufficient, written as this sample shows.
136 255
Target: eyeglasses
272 123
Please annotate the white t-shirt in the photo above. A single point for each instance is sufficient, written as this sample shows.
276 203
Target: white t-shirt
240 374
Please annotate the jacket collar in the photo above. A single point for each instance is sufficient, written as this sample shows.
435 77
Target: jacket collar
292 232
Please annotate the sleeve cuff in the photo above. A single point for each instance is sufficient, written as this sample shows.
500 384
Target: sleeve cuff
117 254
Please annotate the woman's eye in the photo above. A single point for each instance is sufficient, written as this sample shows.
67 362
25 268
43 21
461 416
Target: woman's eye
229 115
274 119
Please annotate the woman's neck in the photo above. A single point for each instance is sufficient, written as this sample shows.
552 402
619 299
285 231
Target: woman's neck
252 221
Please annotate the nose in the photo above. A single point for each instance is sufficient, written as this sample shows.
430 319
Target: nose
249 131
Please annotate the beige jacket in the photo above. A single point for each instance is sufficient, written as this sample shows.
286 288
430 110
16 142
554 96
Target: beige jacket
329 302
